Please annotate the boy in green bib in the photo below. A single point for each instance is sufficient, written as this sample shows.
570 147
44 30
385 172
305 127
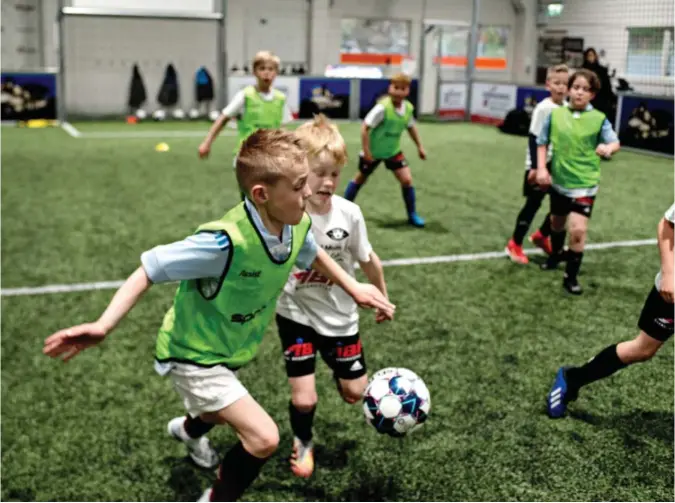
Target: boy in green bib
231 272
254 107
580 136
381 139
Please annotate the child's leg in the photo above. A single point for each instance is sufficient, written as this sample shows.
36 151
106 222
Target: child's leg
560 209
298 343
578 227
344 355
656 327
365 170
399 166
258 440
534 196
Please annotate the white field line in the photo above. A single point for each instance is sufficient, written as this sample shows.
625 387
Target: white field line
468 257
71 130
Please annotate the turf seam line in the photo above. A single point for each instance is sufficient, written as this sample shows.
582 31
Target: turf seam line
466 257
71 130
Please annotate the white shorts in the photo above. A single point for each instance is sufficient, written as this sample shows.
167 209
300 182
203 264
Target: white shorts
206 389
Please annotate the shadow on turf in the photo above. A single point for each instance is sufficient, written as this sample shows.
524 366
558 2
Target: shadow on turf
635 425
403 225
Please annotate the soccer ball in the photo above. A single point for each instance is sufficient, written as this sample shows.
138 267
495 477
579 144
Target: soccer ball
159 115
194 114
141 114
396 401
178 114
213 115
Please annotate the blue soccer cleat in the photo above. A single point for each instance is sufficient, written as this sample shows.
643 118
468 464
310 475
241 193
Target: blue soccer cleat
556 401
416 220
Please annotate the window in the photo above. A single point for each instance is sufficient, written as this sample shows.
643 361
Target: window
491 51
554 9
650 52
375 36
493 41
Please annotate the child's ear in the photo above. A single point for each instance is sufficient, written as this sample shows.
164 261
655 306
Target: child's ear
259 194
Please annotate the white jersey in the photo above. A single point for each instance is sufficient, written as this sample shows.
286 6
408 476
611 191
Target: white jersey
308 297
670 216
539 116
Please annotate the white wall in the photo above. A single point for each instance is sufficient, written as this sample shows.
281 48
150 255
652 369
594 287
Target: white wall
603 25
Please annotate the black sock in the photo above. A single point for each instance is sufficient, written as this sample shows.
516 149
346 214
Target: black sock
301 422
237 472
195 427
545 228
524 218
557 241
573 264
605 363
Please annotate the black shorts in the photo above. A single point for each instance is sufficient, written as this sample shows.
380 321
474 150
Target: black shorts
561 205
300 343
393 163
534 189
656 319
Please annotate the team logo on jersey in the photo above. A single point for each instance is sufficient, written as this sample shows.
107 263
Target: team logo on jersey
337 234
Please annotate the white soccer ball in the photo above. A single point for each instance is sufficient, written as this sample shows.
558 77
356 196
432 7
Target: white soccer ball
159 115
396 401
194 113
213 115
178 114
141 114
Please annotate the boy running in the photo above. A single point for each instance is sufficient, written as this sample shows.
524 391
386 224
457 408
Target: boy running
381 140
556 84
231 273
314 315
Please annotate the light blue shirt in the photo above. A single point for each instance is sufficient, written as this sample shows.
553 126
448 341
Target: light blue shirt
607 134
205 255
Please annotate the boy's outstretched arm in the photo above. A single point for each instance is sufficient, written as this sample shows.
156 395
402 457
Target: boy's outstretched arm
364 295
415 136
665 238
69 342
214 131
375 273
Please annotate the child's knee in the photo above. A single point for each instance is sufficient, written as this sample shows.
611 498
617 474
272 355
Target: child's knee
577 236
352 390
265 440
405 179
304 400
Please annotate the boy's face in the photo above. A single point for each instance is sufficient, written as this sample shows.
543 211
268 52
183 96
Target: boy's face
266 73
581 93
287 198
399 91
557 86
323 179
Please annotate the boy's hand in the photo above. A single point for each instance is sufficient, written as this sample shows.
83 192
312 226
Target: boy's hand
422 153
666 287
543 178
204 150
603 150
369 296
69 342
367 156
532 176
381 316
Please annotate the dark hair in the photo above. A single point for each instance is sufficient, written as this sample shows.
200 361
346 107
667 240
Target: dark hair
590 76
588 51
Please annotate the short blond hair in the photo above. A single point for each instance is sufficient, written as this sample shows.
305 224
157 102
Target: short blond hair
322 138
263 57
556 69
267 156
401 78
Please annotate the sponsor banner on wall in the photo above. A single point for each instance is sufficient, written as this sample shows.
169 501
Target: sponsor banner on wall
452 100
28 96
290 86
646 123
491 102
326 96
528 97
372 90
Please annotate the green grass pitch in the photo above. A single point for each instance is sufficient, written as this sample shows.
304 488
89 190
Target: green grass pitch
486 336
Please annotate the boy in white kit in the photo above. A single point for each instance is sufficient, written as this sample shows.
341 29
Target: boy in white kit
314 315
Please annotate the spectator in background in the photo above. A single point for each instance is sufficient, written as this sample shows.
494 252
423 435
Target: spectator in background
604 99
